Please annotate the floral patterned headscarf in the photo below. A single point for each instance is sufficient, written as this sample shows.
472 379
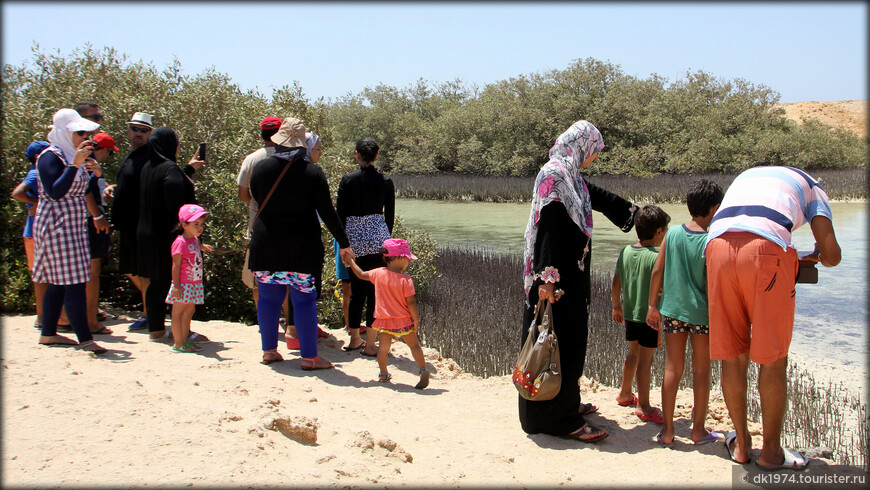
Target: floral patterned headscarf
560 180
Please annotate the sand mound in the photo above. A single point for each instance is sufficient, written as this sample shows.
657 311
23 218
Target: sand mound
846 114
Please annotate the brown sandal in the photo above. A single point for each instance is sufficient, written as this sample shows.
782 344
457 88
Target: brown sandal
587 433
271 356
58 340
92 347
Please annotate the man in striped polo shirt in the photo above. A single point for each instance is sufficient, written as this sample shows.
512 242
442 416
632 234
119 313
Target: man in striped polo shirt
751 273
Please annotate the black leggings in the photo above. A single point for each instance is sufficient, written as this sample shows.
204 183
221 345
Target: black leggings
155 301
363 292
73 297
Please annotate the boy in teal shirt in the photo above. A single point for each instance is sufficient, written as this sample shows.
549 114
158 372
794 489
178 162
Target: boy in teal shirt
681 309
632 279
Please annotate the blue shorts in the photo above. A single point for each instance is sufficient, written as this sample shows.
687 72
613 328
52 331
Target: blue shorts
340 270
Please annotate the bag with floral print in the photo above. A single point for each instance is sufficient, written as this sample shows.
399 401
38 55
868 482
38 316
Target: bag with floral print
538 374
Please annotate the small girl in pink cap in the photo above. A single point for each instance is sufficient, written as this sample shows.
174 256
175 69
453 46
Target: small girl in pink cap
395 307
187 291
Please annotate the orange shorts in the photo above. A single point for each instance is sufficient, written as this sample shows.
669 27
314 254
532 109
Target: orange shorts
750 288
28 251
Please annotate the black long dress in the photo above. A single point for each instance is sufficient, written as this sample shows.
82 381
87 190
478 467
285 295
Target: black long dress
163 189
560 243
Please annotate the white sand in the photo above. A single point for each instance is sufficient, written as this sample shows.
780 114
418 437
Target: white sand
141 415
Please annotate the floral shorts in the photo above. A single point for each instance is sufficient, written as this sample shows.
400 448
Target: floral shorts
192 294
304 283
672 325
397 327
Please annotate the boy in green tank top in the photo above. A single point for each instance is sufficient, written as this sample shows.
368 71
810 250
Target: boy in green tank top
681 309
631 279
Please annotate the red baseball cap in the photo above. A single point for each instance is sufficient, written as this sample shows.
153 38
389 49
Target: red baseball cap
270 122
103 140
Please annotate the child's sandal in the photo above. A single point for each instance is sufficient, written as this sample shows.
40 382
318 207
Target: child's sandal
424 379
184 348
384 377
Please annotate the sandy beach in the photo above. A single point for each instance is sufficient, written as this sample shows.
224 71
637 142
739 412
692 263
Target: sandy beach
142 416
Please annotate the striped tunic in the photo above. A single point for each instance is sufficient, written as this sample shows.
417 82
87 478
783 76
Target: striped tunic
770 202
60 234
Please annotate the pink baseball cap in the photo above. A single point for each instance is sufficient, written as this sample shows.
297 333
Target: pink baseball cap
396 247
190 212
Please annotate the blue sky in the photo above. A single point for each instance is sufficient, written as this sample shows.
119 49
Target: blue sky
804 51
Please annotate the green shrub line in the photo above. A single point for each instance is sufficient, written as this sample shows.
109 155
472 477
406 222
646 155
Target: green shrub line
651 126
846 184
460 319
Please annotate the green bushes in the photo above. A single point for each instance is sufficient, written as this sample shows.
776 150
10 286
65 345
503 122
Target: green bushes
695 125
205 107
698 124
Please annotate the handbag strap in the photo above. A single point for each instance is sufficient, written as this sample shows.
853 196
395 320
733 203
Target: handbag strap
275 185
542 309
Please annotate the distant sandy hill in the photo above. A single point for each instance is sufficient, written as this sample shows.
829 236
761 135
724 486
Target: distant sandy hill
846 114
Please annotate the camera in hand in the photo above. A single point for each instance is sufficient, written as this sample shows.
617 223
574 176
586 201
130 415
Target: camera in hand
93 145
807 272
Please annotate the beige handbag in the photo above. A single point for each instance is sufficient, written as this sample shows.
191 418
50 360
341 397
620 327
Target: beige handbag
538 374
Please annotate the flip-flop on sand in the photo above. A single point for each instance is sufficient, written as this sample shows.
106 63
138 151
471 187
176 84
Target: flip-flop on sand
728 439
655 416
711 436
58 340
587 408
587 433
348 348
793 461
631 403
669 445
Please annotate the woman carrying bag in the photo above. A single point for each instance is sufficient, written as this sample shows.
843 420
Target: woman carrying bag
286 250
558 246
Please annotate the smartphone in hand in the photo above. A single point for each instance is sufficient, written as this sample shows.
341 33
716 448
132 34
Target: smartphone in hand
202 151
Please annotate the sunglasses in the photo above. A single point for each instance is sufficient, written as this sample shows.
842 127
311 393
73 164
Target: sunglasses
83 133
140 130
95 117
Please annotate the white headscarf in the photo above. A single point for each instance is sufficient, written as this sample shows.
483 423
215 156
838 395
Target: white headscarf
311 139
65 123
560 180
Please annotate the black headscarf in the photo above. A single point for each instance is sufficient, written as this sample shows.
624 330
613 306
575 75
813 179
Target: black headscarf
164 143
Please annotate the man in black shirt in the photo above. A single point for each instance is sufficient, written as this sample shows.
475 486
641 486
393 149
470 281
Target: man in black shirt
125 208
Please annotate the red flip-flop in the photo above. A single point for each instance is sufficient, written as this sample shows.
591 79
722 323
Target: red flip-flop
632 403
655 416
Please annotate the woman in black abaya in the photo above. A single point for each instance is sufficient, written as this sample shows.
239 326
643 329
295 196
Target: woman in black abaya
557 256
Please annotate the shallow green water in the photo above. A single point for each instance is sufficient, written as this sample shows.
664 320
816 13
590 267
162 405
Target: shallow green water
831 316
